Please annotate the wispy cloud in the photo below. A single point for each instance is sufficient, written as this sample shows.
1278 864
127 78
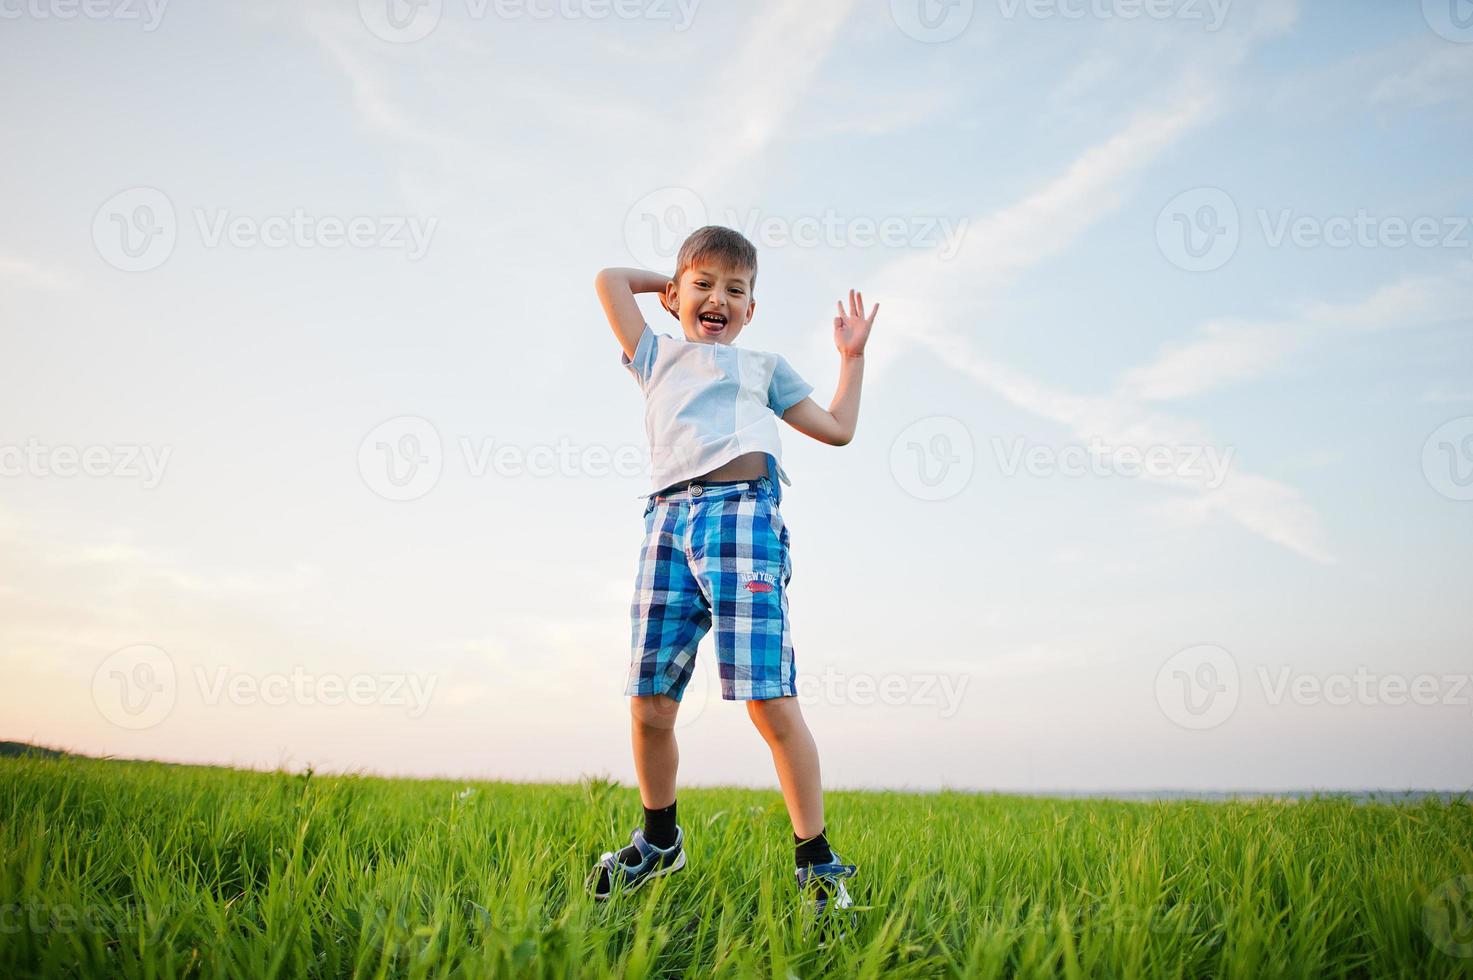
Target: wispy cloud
937 295
32 275
1443 73
1224 352
785 45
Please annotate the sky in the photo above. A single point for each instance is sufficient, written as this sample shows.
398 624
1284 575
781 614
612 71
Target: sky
316 449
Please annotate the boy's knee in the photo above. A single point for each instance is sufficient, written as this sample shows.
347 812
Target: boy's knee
654 712
775 717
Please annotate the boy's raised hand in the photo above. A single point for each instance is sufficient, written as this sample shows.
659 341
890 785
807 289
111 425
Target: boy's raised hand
851 330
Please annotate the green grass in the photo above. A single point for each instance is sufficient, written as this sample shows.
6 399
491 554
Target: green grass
145 870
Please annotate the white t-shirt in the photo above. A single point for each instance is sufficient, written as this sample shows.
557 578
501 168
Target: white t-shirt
706 404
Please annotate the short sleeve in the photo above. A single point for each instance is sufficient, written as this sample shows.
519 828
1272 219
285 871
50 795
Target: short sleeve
644 356
787 388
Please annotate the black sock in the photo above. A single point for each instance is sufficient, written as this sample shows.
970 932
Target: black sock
814 850
659 826
659 830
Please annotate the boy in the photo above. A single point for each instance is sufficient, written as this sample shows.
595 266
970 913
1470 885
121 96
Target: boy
715 544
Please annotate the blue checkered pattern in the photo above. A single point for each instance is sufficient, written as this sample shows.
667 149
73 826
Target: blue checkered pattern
717 554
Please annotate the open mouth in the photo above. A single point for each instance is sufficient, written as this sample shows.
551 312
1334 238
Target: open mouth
713 322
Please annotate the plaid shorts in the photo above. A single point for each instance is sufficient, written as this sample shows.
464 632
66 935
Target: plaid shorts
713 551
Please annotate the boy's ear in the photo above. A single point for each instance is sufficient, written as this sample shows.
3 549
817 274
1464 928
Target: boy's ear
670 299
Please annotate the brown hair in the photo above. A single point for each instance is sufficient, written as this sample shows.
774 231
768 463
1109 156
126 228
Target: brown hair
724 246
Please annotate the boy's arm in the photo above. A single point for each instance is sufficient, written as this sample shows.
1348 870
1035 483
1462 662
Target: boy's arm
836 426
616 289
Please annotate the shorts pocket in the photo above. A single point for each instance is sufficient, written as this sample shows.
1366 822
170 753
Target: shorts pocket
780 533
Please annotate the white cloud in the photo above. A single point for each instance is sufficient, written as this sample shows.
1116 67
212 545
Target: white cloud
32 275
1226 351
1442 74
784 47
937 295
1229 351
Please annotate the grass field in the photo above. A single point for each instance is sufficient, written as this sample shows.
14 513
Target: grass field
148 870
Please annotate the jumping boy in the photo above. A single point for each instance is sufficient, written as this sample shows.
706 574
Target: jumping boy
715 548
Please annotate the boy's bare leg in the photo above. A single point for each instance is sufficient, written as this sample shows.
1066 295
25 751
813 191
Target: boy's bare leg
656 756
780 720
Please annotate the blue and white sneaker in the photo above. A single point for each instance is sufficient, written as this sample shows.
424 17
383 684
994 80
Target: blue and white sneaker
824 883
611 874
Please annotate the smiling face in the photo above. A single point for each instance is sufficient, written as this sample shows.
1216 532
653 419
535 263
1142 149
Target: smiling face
712 303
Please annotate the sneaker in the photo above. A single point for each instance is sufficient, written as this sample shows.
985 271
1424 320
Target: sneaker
654 862
824 885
